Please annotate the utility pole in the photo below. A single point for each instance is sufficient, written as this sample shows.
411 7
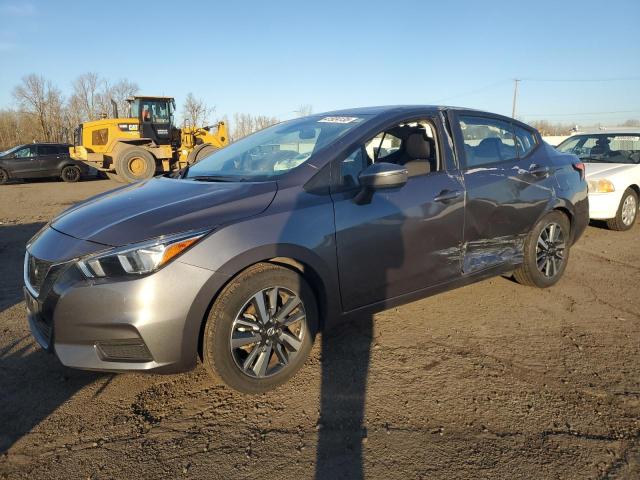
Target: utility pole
516 81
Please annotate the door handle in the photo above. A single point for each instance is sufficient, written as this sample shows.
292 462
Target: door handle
447 195
539 171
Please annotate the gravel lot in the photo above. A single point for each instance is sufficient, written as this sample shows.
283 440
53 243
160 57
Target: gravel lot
493 380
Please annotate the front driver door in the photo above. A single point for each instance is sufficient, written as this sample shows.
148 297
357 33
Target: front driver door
403 240
24 163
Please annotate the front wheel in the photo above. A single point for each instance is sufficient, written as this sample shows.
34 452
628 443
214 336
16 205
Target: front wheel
260 329
546 251
135 164
627 212
4 176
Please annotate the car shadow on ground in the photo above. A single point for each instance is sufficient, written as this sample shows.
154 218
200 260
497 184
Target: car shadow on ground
33 382
13 241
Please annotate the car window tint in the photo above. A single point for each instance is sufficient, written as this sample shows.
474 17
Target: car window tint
63 150
487 140
26 152
525 141
47 150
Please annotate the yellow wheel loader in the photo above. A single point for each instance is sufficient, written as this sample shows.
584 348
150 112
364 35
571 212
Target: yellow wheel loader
145 142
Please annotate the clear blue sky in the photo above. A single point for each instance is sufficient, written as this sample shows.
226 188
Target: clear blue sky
269 57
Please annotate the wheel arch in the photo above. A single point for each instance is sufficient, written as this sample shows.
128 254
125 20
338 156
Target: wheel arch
295 258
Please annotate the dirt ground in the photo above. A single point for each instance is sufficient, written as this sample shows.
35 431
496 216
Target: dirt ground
494 380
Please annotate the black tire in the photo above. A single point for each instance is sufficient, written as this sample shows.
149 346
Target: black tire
222 361
70 174
113 176
554 254
627 212
135 164
4 176
200 151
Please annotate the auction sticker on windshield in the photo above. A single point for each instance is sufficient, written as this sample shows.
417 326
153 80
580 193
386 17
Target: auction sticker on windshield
338 119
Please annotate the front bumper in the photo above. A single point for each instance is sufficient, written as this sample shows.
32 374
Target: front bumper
146 323
603 206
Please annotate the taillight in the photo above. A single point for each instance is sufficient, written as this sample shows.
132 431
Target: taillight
579 166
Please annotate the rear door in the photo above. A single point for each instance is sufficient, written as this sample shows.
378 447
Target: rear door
404 239
508 185
24 163
49 159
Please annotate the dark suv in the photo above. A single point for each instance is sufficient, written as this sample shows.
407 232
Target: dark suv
38 160
245 254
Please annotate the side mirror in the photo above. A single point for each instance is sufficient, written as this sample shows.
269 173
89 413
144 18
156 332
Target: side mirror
383 175
379 176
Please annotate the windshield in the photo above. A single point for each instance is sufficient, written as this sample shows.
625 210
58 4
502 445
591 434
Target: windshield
11 150
604 148
155 111
274 150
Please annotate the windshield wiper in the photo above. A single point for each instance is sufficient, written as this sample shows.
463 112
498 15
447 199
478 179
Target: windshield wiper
216 178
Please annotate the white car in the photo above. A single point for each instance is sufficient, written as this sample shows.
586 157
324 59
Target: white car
612 167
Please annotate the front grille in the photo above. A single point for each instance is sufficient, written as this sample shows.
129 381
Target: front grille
36 272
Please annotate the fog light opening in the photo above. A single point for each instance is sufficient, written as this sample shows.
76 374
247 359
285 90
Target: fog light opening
126 350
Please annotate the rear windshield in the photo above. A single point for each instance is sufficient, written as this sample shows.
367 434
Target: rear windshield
604 148
275 150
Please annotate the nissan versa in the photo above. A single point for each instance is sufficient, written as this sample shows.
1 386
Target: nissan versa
242 257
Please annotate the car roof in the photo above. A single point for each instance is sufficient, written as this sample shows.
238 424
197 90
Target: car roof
382 109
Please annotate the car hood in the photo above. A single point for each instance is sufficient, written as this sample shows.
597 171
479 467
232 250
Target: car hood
601 170
162 206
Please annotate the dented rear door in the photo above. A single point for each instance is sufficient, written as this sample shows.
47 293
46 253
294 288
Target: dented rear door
504 198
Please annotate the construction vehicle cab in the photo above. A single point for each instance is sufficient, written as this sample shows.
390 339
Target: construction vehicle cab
145 141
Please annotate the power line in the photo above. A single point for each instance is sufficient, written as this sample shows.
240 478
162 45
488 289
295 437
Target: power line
569 80
471 92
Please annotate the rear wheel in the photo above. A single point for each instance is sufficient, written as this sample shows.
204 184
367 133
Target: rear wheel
4 176
627 212
70 174
546 251
134 164
260 329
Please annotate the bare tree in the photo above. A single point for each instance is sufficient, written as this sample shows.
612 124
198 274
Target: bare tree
119 92
304 110
195 111
85 99
35 96
631 123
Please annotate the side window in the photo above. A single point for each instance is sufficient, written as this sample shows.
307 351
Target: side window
487 140
63 150
26 152
382 145
351 167
47 150
411 144
525 141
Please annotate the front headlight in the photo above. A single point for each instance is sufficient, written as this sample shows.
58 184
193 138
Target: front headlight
601 186
138 259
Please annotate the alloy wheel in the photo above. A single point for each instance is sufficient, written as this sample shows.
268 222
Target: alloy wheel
3 176
71 174
629 208
550 250
268 332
